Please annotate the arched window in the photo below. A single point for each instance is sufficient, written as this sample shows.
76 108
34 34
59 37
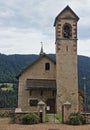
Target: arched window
67 31
47 66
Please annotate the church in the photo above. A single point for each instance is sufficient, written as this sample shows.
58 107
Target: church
53 81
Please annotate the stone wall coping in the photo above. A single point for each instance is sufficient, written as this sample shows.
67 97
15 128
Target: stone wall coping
67 103
18 110
41 103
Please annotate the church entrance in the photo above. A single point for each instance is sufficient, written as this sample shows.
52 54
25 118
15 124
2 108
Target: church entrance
51 105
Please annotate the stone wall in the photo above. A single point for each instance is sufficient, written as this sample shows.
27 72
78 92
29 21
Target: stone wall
6 111
66 62
87 116
35 71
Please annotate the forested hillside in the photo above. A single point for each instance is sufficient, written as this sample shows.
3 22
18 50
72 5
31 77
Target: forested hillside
12 65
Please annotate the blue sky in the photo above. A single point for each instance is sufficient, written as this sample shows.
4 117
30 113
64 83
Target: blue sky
25 23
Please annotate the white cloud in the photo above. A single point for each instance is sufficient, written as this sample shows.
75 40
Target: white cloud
22 41
84 47
24 24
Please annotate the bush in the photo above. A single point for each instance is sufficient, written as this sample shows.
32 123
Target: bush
58 117
30 118
76 119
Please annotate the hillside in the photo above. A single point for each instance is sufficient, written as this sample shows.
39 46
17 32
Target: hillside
11 65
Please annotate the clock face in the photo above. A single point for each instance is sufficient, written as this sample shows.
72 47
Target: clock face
66 31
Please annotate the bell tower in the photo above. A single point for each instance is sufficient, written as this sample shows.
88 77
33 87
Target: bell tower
66 59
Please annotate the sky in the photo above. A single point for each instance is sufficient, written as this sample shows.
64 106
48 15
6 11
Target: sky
24 24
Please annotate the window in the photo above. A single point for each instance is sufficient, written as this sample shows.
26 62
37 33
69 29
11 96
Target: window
67 31
47 66
66 48
33 103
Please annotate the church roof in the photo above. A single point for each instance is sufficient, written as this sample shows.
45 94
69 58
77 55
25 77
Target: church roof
66 9
50 57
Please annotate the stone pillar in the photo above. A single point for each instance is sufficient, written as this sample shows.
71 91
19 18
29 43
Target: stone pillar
66 110
41 111
18 114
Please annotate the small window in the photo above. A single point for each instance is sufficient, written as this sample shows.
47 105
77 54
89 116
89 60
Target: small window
47 66
66 48
33 103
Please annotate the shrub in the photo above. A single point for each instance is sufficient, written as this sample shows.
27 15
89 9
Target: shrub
76 119
58 117
30 118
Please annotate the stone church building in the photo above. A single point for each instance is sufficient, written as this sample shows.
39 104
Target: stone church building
55 82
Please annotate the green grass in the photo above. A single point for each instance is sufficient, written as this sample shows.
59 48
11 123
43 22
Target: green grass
6 86
58 117
46 118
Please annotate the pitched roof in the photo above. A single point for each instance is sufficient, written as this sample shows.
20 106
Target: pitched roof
66 8
40 57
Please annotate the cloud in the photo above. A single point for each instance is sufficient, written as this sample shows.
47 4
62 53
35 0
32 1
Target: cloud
24 24
22 41
84 47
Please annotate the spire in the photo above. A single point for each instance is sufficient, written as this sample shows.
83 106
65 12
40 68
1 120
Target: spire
41 51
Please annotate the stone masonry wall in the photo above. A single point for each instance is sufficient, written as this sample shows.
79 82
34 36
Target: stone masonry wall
36 71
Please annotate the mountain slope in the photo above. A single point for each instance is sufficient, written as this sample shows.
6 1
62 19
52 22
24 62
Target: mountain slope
11 65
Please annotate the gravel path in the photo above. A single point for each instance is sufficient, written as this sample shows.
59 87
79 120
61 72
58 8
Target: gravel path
4 125
43 127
